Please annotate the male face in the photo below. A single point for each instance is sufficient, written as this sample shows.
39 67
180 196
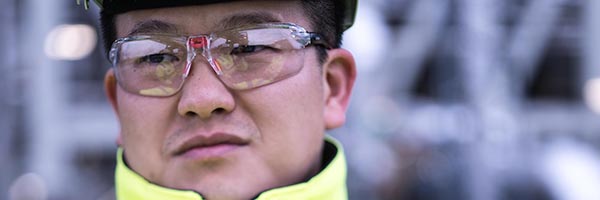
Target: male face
225 143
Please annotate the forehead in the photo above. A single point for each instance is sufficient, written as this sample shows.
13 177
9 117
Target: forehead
194 20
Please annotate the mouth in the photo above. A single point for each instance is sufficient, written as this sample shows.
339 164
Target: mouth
206 147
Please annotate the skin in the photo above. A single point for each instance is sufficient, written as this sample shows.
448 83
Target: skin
283 124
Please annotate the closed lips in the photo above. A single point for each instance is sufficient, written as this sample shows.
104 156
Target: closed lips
208 141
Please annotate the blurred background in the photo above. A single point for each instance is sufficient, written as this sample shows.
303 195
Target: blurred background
455 99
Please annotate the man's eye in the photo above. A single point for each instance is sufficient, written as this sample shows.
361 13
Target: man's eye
158 58
247 49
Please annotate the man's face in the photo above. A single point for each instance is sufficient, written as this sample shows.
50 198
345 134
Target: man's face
223 143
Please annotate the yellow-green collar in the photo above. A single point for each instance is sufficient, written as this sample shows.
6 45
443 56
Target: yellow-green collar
330 183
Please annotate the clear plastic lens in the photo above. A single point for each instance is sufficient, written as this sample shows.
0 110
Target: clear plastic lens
151 67
243 58
257 57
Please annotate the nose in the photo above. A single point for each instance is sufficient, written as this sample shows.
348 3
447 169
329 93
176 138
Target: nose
203 94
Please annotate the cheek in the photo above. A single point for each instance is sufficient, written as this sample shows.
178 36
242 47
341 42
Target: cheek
290 112
143 119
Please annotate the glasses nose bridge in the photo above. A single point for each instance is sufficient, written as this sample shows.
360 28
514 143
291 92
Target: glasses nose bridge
200 45
197 45
198 42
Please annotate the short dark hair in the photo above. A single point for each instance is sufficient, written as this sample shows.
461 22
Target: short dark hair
326 18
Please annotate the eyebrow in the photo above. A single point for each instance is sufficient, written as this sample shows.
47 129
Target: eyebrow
233 21
153 26
244 19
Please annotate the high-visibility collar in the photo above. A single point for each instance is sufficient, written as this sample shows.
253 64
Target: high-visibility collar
330 183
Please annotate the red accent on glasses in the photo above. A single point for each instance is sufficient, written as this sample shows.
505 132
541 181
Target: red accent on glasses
198 42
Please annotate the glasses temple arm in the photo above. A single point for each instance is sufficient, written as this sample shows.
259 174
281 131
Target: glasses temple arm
317 39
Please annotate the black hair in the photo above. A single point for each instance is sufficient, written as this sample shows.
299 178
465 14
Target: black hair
326 18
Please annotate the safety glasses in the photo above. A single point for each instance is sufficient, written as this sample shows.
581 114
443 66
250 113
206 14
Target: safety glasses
242 58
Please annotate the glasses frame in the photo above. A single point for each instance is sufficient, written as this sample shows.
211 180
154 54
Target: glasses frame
305 38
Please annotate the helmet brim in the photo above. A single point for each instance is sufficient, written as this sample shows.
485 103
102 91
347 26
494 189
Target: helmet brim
348 7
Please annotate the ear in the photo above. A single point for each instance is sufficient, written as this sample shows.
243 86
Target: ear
339 74
110 88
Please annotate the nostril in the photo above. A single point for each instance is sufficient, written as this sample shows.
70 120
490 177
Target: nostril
219 111
216 111
191 114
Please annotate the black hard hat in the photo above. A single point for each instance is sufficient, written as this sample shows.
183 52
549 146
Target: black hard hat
348 7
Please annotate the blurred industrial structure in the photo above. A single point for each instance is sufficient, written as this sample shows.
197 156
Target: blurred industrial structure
456 99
